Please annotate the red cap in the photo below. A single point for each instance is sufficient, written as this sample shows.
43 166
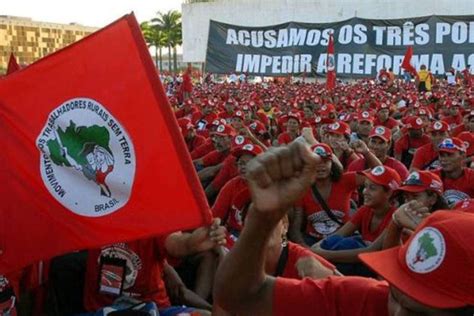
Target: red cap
294 115
258 127
382 132
470 114
427 267
224 130
340 128
415 122
327 109
238 114
185 125
365 116
247 149
439 126
323 150
468 139
465 206
385 176
452 145
419 181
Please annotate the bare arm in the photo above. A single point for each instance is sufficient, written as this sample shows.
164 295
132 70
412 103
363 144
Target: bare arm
296 226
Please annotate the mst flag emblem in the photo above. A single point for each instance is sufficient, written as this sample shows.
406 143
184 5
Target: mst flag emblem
81 136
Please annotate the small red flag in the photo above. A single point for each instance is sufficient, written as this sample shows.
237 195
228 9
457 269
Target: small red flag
406 64
330 65
12 65
91 152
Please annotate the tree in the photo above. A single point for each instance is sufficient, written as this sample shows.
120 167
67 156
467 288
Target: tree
170 24
154 37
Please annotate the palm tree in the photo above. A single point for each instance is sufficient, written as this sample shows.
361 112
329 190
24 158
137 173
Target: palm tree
154 37
170 24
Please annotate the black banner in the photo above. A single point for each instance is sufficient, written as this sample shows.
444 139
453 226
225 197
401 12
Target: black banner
363 46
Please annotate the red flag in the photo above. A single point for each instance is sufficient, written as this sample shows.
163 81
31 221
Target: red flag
12 65
330 65
91 152
406 64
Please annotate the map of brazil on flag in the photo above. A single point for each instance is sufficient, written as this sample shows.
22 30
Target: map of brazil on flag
91 152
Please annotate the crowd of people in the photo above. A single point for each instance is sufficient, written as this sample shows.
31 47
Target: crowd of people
354 201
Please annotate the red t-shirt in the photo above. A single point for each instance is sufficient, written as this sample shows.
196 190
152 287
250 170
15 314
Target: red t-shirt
186 113
425 158
295 253
410 144
203 150
284 138
362 219
144 273
223 207
458 130
360 165
456 190
452 121
333 296
213 158
228 171
195 142
390 123
319 224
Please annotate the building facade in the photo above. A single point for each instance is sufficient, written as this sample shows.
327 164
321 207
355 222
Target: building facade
31 40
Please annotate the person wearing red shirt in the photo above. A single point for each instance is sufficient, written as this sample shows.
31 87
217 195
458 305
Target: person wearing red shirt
192 140
457 179
187 86
338 136
336 188
364 124
420 278
187 111
426 157
406 146
453 116
202 119
204 149
292 130
228 113
383 118
136 268
379 144
467 126
370 220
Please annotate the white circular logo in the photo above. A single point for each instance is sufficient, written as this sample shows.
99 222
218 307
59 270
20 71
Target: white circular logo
419 121
319 150
220 128
87 158
365 114
248 147
377 171
437 126
317 119
238 113
239 140
379 130
253 125
335 126
426 251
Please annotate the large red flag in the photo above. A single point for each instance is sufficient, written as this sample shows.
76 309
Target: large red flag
330 65
12 64
406 64
91 152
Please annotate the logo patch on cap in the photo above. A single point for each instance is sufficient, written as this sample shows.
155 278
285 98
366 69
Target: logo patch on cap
437 126
319 150
426 251
419 121
377 171
253 125
248 147
239 140
335 126
220 128
365 114
380 130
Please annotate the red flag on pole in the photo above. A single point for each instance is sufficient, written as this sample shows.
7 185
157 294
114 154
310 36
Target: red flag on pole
406 64
91 152
12 65
330 65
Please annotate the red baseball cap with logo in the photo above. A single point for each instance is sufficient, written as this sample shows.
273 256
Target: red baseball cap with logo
323 150
247 149
382 132
420 181
224 130
414 122
365 116
468 139
384 176
439 126
452 145
238 114
427 267
340 128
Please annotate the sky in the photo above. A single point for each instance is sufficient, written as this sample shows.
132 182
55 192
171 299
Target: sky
96 13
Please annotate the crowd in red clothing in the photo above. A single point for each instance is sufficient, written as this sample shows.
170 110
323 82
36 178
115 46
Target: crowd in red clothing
384 150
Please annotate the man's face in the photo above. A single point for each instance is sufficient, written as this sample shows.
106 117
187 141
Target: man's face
267 106
237 123
364 128
336 139
437 137
242 163
379 147
454 110
222 143
383 114
308 113
229 107
292 125
207 110
451 161
470 124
